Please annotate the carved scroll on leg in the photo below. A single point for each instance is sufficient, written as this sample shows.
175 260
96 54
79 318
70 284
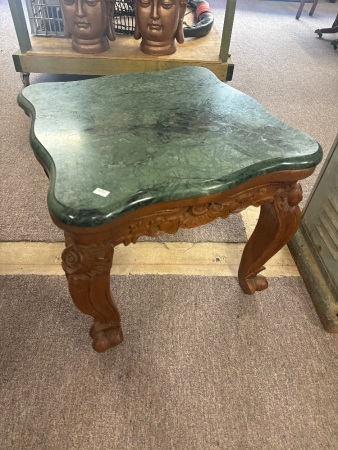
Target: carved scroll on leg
277 223
87 268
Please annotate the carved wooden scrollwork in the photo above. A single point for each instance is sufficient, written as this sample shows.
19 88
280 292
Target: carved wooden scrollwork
202 214
93 259
165 221
289 197
170 220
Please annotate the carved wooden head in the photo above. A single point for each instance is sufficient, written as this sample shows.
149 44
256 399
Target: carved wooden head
159 23
89 22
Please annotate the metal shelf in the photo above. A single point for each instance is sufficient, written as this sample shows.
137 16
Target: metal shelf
54 54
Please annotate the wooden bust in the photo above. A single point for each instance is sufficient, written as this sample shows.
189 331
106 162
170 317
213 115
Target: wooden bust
89 22
159 23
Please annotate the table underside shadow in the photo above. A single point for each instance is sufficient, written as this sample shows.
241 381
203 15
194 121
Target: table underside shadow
88 256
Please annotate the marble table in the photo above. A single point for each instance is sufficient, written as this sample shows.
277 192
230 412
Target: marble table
147 153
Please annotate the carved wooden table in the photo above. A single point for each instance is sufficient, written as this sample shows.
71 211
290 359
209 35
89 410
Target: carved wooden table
148 153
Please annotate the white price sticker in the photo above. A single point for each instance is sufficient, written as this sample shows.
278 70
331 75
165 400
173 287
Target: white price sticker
102 192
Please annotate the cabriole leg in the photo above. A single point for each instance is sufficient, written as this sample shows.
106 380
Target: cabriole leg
277 223
87 268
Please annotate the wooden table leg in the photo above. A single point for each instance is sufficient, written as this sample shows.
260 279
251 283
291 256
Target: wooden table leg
87 267
277 223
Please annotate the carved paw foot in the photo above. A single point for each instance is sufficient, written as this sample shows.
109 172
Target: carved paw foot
105 336
251 285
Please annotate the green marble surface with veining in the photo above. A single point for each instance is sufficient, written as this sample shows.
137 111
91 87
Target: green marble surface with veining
152 137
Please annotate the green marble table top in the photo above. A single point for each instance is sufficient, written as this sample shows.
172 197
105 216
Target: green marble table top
116 143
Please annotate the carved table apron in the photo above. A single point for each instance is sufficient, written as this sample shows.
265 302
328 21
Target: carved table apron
145 154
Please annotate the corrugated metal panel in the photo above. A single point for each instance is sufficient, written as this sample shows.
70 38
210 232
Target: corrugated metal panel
320 218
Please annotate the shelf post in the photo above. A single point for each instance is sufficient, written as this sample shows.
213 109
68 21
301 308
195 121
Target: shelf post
20 25
227 29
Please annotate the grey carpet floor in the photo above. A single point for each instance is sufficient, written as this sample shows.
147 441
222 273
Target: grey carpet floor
202 367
